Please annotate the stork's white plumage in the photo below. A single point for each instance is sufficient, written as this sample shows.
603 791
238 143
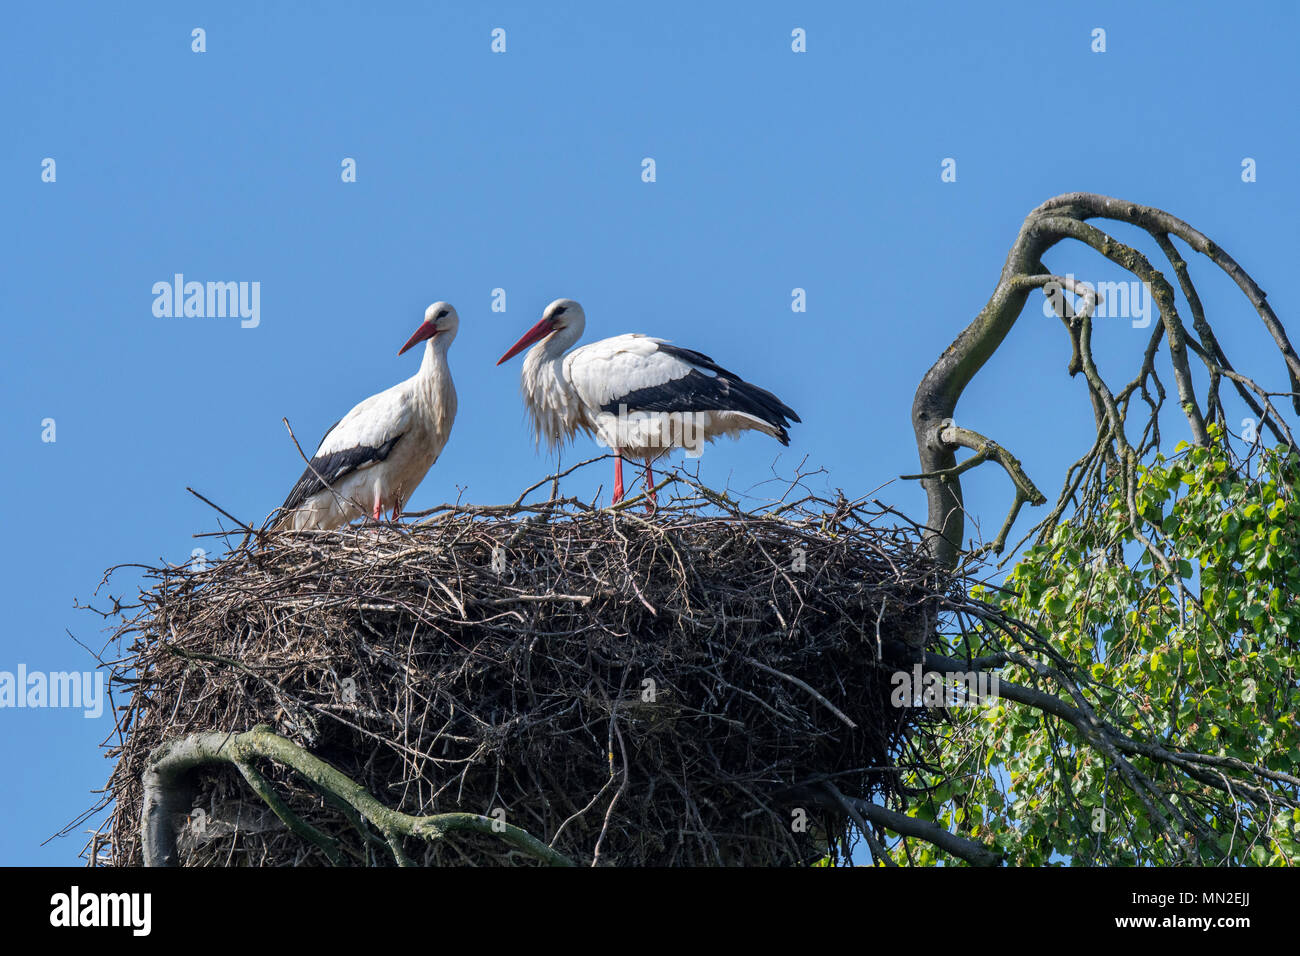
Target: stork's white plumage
638 395
371 460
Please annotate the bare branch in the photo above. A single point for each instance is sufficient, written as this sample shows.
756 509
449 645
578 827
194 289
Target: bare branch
172 763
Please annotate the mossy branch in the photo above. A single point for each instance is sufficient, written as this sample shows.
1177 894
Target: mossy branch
1065 217
165 790
986 450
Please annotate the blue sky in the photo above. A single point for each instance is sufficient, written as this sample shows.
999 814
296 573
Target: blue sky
522 170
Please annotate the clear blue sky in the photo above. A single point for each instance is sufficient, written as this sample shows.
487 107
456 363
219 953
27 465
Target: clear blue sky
522 171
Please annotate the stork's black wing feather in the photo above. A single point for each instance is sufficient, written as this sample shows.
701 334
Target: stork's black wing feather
334 467
695 391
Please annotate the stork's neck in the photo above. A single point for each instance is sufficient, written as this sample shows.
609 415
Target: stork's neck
553 347
542 364
432 382
434 362
548 394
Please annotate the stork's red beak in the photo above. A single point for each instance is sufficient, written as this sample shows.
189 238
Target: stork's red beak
427 330
539 331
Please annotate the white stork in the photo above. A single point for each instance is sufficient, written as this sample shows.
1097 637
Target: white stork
638 395
371 460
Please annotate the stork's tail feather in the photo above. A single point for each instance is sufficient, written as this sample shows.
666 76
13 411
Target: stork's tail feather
733 393
763 405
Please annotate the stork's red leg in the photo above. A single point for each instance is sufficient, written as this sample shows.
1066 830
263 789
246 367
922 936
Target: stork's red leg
379 507
650 487
397 508
618 476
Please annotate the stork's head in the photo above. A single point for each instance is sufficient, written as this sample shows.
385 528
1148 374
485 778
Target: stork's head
559 315
439 319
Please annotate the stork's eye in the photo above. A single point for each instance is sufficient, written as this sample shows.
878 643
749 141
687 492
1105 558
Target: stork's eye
560 311
442 314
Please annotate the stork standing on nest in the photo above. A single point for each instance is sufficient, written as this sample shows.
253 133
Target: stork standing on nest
371 460
640 396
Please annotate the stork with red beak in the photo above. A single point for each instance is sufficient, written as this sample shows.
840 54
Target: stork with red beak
638 395
371 460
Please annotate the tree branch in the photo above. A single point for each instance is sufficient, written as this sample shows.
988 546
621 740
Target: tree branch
1060 218
166 798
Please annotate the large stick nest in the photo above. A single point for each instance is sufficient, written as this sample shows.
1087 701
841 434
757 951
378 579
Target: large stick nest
633 689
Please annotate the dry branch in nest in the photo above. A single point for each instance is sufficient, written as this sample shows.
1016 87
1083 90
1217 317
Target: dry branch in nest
529 683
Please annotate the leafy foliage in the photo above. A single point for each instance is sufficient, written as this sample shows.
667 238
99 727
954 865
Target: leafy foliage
1180 630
